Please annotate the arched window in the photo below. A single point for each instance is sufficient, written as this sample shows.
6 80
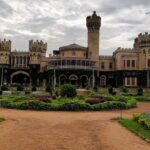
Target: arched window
103 80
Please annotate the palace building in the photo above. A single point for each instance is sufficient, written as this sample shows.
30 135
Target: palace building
77 64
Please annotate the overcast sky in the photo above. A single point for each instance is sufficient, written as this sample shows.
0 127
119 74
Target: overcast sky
62 22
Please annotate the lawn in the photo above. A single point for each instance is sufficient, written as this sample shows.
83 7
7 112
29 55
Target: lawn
136 128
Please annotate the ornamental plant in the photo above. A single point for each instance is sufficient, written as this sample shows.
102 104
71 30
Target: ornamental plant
68 90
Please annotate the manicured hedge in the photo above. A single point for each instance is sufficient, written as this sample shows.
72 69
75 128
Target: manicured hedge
142 119
64 104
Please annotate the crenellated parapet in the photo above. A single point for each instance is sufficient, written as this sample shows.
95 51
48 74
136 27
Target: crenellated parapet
124 50
93 22
37 46
143 40
5 45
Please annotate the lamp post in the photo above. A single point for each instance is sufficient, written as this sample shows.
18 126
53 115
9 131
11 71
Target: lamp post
54 78
93 81
2 76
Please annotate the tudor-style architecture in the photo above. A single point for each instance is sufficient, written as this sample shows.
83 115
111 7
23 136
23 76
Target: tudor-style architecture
77 64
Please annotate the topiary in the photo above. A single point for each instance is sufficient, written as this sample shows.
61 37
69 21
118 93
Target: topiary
49 89
4 88
68 90
20 87
34 88
124 89
140 91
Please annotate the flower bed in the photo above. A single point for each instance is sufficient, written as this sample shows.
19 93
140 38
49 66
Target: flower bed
78 103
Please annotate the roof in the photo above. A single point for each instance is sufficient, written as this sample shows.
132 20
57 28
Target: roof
73 47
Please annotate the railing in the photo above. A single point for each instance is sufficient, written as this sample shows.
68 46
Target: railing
20 67
70 67
71 64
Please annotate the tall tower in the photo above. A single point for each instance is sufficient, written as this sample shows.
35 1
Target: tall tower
93 24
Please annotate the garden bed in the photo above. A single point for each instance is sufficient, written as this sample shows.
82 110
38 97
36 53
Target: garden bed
136 128
78 103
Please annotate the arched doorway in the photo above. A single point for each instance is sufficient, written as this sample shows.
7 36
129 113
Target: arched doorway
84 81
20 77
62 79
73 79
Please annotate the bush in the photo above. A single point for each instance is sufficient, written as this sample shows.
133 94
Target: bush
122 99
143 98
139 91
142 119
111 91
49 89
68 90
124 89
4 88
20 87
34 88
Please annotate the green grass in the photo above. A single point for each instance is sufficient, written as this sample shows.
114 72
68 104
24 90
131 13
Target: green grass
136 128
2 119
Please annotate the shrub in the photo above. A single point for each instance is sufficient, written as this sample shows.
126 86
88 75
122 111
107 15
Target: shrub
68 90
122 99
140 91
124 89
131 103
49 89
54 96
4 88
34 88
143 98
142 119
111 91
20 87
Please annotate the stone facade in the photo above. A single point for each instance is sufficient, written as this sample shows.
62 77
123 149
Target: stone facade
77 64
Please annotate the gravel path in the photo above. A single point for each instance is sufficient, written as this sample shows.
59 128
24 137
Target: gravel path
34 130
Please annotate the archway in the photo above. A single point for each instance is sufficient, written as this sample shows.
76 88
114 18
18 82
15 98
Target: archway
73 79
20 77
62 79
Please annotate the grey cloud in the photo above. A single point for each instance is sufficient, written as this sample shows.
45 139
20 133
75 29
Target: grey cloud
5 9
64 22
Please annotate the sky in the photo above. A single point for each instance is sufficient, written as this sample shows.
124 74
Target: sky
63 22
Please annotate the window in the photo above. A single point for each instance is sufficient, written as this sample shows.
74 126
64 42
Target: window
130 81
128 63
62 53
124 64
133 63
102 65
73 53
110 65
84 54
103 80
148 63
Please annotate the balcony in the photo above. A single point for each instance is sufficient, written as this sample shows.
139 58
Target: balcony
83 64
19 67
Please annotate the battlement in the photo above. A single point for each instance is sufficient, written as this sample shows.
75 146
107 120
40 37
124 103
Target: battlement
143 40
124 50
5 45
93 22
37 46
105 57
